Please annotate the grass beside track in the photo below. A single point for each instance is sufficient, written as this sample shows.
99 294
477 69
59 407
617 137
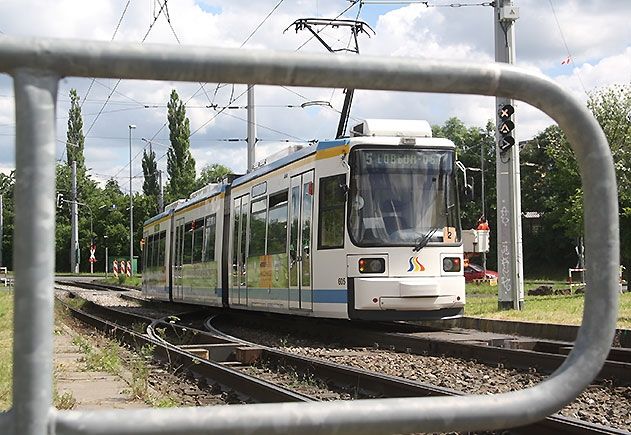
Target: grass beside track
6 348
563 309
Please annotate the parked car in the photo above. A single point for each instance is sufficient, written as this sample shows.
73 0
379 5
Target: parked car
473 272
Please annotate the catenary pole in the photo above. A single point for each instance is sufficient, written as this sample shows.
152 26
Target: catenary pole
131 207
509 242
74 223
161 195
1 229
251 128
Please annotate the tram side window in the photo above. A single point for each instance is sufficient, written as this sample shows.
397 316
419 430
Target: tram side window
154 250
277 227
209 239
331 219
188 243
198 240
161 248
147 253
257 228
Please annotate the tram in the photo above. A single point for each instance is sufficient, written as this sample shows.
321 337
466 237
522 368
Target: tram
365 227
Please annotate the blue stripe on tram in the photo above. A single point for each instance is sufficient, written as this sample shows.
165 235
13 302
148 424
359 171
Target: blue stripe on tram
333 296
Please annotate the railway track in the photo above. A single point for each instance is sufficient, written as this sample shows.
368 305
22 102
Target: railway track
224 360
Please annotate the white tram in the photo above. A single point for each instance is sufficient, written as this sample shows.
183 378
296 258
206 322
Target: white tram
365 227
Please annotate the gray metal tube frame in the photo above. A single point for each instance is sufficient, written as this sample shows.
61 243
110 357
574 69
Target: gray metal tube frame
200 64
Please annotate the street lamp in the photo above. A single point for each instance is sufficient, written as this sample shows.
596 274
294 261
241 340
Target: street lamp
107 260
131 206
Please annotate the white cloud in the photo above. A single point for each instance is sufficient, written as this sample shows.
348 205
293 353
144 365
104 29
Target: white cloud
597 37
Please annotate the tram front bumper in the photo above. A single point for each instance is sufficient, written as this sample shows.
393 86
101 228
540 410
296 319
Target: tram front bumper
409 294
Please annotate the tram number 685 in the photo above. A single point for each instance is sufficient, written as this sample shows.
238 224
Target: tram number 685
341 281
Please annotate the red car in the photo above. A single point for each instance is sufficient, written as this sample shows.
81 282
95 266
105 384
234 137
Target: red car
473 272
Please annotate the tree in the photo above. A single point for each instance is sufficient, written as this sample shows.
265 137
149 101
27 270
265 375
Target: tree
7 188
180 162
612 108
150 186
74 136
212 173
470 141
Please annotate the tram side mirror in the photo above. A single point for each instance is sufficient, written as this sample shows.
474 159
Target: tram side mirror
344 189
467 192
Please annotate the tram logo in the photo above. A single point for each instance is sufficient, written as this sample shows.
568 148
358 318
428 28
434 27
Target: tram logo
415 265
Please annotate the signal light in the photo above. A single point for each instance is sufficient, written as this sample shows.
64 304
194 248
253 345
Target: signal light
451 264
372 265
505 128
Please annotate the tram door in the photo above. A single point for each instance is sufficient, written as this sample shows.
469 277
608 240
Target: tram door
300 232
239 290
177 263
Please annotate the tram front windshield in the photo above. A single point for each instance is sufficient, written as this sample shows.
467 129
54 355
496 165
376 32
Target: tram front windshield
402 197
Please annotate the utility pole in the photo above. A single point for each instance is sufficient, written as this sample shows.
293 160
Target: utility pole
251 128
1 230
483 198
131 207
509 242
161 195
74 223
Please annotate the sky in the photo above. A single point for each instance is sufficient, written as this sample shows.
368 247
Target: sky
597 40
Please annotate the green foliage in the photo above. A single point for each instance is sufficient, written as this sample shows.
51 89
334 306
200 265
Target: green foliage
150 186
180 162
140 372
7 187
475 147
65 401
74 136
213 173
612 107
105 359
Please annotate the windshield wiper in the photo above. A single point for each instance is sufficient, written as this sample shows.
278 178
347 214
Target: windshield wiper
422 241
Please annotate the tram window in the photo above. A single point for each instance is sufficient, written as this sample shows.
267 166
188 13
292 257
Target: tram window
161 248
155 262
277 226
153 253
209 239
188 243
198 240
257 228
148 252
331 218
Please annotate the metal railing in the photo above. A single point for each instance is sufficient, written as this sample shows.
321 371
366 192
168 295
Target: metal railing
36 66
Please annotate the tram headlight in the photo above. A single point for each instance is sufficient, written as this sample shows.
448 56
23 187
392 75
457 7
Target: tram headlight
372 265
451 264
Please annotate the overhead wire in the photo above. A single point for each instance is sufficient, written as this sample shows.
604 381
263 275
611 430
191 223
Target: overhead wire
113 36
567 48
119 80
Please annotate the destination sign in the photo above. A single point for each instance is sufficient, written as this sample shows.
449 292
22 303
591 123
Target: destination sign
402 159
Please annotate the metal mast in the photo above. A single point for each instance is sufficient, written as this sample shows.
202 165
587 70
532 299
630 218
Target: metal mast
74 223
251 128
509 242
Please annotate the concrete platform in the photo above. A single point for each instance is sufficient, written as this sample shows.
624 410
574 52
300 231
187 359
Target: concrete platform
91 390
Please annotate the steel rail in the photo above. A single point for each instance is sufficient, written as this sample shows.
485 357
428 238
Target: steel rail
247 387
37 64
378 384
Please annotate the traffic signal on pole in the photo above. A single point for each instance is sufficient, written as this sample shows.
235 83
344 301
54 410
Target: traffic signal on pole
506 127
